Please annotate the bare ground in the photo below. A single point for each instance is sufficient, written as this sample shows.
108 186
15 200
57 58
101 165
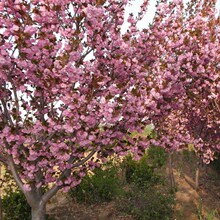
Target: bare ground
202 204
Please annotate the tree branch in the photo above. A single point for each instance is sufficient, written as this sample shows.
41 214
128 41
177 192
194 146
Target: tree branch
7 115
50 193
15 173
85 159
13 168
216 104
30 196
16 101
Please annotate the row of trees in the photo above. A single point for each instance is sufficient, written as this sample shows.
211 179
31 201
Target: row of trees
73 88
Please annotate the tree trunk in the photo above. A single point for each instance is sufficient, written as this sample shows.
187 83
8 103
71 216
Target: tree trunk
197 174
171 175
38 213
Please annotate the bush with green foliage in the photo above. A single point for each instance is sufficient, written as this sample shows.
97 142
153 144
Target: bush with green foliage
103 185
188 155
147 205
215 164
157 156
139 172
129 165
15 206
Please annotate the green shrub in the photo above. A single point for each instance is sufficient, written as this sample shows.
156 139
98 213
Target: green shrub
139 172
103 185
129 165
188 155
147 205
15 206
215 164
157 156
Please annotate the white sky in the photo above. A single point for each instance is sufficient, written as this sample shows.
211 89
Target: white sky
135 7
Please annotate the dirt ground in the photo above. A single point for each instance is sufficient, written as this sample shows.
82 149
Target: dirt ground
202 204
191 204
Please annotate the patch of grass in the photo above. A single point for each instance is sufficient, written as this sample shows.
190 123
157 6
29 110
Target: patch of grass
148 204
199 211
180 214
211 215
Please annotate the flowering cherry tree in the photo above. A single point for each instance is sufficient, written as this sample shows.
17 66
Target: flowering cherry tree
183 98
69 92
185 77
73 88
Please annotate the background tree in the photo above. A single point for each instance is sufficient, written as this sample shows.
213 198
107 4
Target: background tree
67 97
185 76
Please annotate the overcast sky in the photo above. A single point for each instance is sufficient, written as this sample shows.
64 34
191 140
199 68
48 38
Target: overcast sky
135 7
